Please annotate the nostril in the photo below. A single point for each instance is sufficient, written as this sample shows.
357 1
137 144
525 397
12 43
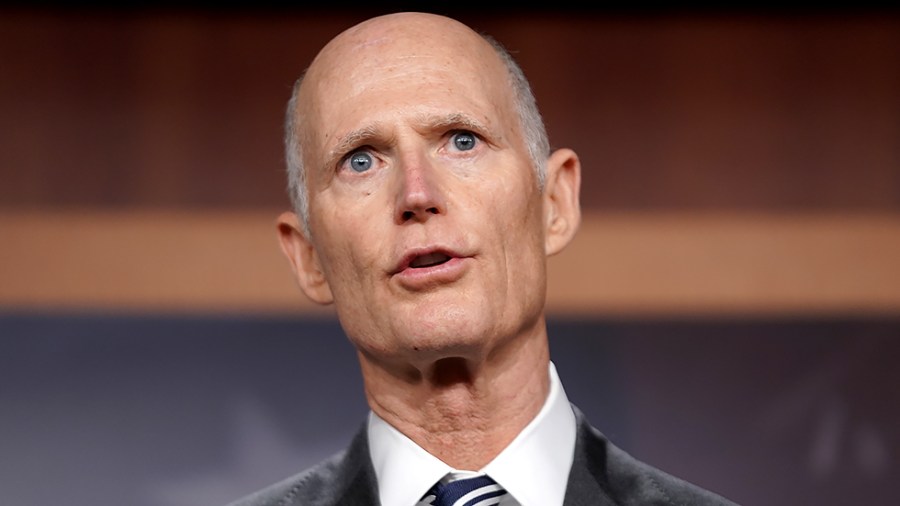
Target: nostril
419 214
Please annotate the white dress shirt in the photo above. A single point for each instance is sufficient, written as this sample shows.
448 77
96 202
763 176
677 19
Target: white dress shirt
534 468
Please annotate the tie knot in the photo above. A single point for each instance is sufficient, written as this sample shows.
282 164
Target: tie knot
477 491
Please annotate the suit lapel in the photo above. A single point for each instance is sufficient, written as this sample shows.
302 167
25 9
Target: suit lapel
356 483
586 485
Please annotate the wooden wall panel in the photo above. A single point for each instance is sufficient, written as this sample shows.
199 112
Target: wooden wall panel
733 162
183 108
619 264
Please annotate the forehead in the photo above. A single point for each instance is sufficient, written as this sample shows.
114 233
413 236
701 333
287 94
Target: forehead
381 74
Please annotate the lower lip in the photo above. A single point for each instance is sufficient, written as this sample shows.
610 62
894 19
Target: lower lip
436 275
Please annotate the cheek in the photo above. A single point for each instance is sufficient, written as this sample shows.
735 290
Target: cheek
349 268
346 254
514 208
510 221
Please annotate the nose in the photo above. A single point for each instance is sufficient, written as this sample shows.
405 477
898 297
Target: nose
420 195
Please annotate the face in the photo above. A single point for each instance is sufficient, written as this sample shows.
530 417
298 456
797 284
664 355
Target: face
426 221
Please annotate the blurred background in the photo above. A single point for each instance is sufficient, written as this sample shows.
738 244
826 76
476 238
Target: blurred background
729 312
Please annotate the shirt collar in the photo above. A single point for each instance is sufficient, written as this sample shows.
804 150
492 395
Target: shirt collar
533 468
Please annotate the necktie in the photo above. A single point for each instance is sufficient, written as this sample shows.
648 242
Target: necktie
477 491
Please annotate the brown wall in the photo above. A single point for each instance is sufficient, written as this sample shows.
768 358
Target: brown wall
747 118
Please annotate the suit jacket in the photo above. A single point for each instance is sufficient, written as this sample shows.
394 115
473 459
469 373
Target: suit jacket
601 475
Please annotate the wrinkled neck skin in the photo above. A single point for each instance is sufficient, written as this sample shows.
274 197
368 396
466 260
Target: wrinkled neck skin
463 410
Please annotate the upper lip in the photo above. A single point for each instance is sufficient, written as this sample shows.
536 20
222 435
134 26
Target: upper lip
411 255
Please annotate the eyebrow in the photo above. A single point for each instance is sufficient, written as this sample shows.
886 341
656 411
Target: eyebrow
351 140
455 121
361 136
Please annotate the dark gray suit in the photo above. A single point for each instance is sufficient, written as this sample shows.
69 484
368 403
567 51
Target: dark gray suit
601 475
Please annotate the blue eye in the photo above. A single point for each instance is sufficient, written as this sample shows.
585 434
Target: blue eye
361 161
464 141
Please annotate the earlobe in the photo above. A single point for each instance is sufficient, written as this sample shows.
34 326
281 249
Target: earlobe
303 258
562 208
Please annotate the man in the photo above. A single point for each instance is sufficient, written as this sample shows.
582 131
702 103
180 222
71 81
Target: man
427 201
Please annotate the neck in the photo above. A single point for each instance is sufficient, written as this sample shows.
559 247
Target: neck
463 410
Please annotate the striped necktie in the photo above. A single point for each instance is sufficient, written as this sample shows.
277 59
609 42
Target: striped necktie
477 491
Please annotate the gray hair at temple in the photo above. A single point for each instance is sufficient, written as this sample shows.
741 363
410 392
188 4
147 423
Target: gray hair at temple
530 120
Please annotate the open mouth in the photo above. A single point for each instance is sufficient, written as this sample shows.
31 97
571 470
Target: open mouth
429 260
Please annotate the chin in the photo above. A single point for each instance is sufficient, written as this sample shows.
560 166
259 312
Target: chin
450 331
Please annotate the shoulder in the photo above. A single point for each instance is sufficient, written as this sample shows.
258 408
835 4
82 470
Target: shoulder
314 486
344 478
629 481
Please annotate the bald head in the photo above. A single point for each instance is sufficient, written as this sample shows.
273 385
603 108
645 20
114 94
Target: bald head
403 36
419 51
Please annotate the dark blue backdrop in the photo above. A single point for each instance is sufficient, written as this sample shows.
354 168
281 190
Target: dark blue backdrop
176 410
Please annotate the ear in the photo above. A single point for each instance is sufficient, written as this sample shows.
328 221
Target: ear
303 259
562 210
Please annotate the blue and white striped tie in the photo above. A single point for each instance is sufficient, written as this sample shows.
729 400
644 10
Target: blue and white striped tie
477 491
